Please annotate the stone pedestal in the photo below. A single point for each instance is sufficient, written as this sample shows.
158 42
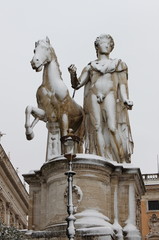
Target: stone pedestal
106 197
53 141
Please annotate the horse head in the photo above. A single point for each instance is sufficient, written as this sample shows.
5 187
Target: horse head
42 54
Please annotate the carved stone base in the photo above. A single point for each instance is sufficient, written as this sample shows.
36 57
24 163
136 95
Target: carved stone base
106 196
53 141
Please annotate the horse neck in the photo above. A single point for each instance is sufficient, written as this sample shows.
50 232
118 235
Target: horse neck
52 72
52 78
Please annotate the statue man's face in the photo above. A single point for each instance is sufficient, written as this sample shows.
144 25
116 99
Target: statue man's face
104 46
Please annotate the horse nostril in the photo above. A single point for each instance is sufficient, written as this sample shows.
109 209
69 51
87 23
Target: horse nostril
37 60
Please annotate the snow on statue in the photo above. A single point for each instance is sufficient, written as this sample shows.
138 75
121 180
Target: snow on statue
106 103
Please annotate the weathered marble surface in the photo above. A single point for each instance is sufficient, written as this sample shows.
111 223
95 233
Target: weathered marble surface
106 103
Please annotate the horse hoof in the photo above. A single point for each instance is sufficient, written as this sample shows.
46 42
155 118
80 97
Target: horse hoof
30 136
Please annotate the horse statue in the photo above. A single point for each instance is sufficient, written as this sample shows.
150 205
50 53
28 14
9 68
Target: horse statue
54 102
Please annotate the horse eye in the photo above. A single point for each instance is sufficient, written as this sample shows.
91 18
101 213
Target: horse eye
34 51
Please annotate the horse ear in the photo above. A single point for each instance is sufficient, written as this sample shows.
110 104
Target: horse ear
47 40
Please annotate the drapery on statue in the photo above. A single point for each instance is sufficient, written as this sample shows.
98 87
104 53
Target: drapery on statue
54 101
106 103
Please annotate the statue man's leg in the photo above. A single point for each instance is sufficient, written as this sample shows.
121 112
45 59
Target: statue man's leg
95 118
116 143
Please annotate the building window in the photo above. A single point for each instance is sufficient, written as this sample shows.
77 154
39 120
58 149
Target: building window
153 205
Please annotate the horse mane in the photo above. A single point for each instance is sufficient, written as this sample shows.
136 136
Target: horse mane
53 54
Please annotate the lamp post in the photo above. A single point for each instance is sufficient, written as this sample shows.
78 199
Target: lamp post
69 145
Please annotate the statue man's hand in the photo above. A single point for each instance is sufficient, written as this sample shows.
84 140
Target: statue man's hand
72 69
129 104
74 81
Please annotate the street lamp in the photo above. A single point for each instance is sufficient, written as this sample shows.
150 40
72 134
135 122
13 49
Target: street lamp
69 145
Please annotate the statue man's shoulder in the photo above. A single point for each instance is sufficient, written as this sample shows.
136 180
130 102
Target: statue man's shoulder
120 65
117 64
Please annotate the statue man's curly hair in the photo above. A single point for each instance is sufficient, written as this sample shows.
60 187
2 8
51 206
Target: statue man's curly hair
101 38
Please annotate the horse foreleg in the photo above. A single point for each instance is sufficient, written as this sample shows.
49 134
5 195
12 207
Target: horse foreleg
38 114
35 121
29 130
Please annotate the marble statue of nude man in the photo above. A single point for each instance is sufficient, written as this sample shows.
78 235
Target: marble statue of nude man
105 103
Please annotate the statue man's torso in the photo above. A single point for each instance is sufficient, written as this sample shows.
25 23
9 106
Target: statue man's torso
101 80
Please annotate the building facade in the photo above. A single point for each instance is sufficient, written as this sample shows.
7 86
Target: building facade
150 207
14 198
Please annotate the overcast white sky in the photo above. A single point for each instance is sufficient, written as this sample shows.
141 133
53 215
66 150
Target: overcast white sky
72 27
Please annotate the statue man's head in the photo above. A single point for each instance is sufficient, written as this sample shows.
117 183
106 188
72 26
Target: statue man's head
103 38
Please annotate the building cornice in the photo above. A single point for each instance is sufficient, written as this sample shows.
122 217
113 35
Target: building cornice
13 177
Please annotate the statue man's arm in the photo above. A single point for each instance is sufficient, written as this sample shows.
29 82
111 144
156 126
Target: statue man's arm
124 89
82 80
